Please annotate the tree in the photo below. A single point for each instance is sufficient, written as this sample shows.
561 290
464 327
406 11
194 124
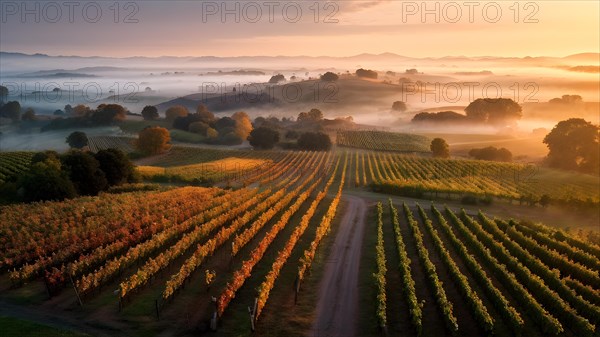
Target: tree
84 171
3 93
229 137
28 115
184 122
212 133
491 153
243 125
204 115
46 181
440 148
117 168
176 111
58 112
225 122
504 155
399 106
574 145
11 110
259 121
303 116
46 156
153 140
314 141
329 77
150 113
315 114
199 128
366 73
291 134
495 111
68 109
77 140
79 110
276 79
107 113
263 138
567 99
439 117
545 200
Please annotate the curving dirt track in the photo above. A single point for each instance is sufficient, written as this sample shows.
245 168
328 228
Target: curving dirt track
337 307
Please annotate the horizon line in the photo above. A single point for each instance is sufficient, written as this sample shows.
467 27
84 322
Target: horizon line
299 56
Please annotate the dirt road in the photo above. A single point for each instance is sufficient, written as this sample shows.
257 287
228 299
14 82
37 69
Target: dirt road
337 307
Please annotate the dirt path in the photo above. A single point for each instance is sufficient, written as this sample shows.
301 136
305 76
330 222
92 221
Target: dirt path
337 307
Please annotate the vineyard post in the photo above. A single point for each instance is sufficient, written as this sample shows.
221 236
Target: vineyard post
297 289
47 288
157 310
76 292
252 313
213 319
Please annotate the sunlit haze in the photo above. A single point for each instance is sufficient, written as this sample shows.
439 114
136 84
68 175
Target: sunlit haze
343 28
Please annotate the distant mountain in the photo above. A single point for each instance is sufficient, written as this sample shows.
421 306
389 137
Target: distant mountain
93 69
63 74
18 64
79 72
584 57
589 57
235 72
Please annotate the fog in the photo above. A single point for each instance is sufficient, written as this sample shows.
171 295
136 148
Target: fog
48 83
50 140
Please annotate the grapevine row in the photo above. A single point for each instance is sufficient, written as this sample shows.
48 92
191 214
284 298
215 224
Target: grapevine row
551 279
508 312
309 254
408 284
574 253
548 323
267 210
144 250
101 253
482 316
381 270
154 265
444 304
240 276
587 247
242 239
284 254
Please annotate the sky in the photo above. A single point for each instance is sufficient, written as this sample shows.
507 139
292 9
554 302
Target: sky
291 28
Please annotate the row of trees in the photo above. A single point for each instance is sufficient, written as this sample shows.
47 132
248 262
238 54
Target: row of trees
499 112
83 116
266 138
491 153
226 130
57 177
573 144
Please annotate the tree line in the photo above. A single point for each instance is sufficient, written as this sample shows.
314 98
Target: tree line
53 176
